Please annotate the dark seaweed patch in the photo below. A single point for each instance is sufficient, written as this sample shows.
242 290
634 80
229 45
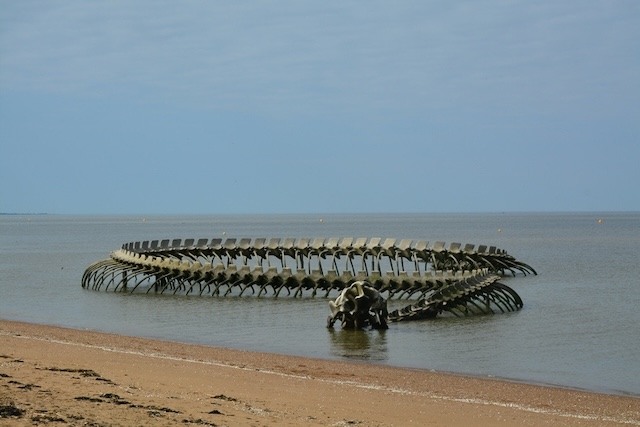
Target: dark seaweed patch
29 386
47 419
11 410
227 398
153 408
89 399
82 372
88 373
199 421
114 398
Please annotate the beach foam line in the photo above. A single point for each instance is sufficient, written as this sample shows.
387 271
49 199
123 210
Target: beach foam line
471 401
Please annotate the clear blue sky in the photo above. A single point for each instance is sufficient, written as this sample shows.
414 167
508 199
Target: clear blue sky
204 107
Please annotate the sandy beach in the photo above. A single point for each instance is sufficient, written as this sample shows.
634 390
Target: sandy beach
59 376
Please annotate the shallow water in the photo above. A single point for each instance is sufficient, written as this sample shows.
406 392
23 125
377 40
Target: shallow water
578 327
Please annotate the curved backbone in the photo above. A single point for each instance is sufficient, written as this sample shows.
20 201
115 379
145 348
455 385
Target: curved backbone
459 279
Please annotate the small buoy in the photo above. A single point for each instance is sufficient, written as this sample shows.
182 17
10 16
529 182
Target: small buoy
599 221
499 230
321 220
224 233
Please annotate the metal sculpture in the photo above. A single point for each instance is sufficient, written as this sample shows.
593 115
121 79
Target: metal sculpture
358 306
365 272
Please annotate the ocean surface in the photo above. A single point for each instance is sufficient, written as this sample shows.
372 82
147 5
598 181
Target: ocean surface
578 328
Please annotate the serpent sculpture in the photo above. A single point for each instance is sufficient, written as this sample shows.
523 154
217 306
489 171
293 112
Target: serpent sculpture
366 273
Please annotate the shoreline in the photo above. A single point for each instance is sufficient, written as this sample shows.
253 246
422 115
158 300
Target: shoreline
82 376
603 391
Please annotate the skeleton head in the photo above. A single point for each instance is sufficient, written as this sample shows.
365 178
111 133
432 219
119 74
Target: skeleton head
357 306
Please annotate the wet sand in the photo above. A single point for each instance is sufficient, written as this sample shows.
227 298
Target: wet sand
58 376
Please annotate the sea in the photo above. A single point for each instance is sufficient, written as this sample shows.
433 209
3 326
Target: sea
579 327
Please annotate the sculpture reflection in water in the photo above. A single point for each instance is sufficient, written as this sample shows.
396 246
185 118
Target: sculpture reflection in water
359 344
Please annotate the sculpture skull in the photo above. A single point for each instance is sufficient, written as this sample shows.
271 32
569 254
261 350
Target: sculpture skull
357 306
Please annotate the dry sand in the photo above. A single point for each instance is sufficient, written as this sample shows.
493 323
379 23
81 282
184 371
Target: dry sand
58 376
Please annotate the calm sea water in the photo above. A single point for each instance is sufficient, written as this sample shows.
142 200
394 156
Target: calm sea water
578 328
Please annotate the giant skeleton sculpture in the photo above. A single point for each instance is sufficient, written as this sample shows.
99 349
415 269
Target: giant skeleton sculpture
366 273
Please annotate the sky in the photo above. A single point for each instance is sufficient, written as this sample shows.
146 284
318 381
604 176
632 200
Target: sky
212 107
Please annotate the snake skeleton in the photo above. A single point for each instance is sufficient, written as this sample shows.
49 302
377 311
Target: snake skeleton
364 272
